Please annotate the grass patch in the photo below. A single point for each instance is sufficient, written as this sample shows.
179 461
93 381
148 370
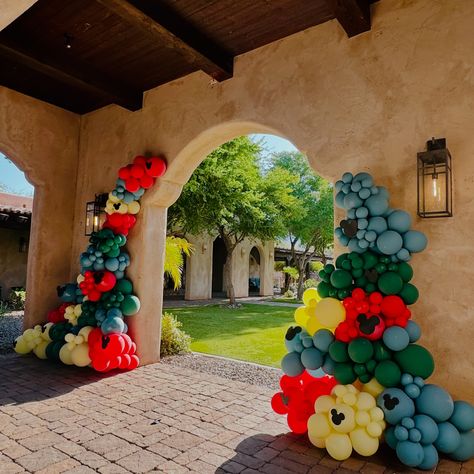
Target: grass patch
286 300
254 332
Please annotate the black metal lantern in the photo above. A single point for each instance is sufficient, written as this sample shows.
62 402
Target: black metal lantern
435 181
95 213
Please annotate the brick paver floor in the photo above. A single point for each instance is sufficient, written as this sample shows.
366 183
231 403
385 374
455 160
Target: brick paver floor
157 418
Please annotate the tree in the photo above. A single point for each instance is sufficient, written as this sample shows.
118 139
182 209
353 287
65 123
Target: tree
176 249
311 227
228 195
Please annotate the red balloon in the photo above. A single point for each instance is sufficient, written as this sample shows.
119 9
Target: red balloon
134 362
137 171
155 166
120 223
124 173
280 403
147 181
132 184
57 315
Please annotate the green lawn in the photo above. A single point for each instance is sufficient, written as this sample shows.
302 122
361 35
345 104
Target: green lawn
253 332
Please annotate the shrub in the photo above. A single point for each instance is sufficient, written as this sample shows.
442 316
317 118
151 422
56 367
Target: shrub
173 339
4 308
16 300
289 294
310 283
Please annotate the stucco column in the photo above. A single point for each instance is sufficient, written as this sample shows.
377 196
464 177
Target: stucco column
199 269
147 251
267 269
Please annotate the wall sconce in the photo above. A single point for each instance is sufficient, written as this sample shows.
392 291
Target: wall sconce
435 181
95 213
23 245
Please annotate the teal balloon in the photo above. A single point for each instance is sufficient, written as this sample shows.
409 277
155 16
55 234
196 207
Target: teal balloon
390 437
413 330
396 338
449 438
401 433
399 221
430 457
352 200
311 358
347 177
463 416
322 339
291 364
329 365
130 305
436 402
390 242
427 427
112 325
414 241
465 451
411 454
378 225
339 199
377 205
112 264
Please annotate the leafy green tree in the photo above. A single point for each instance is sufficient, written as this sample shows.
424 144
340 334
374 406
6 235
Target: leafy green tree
228 195
310 226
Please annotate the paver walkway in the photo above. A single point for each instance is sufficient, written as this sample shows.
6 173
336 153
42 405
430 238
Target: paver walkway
60 419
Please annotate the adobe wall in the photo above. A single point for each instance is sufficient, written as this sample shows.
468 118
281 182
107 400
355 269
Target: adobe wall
366 103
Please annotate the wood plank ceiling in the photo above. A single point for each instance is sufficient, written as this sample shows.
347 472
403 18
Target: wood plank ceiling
84 54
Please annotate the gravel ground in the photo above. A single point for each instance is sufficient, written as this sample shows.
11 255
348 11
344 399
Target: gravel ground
228 368
11 326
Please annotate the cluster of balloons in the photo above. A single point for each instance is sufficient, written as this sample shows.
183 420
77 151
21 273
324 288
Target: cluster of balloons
371 223
297 397
356 327
89 328
370 272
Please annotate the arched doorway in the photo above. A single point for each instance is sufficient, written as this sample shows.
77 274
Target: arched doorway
219 257
255 272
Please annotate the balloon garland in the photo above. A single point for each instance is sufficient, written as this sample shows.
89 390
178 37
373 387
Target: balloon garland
89 328
356 328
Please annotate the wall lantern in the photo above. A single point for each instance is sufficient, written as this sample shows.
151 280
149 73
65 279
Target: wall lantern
95 213
435 182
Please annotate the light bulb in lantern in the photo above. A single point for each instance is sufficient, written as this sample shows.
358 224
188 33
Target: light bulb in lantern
436 188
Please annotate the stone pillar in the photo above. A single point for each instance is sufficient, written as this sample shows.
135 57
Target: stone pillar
199 269
267 268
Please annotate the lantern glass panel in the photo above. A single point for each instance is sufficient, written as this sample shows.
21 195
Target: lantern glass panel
89 225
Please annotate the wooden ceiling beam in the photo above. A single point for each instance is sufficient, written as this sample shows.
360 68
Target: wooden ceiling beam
181 38
72 74
353 15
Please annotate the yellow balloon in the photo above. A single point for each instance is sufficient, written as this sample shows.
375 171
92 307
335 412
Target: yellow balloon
362 418
134 207
323 404
364 444
40 350
301 316
330 312
318 426
318 442
342 418
339 446
80 355
373 387
65 355
313 325
365 401
311 297
21 346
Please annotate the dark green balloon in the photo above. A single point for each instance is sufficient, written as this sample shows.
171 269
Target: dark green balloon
360 350
390 283
409 293
405 271
370 365
53 348
125 286
130 305
415 360
388 373
360 369
323 289
340 260
365 378
357 272
324 276
381 352
341 279
370 260
329 268
357 263
338 352
344 373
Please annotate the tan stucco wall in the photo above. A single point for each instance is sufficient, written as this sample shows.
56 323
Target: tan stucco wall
12 261
366 103
42 140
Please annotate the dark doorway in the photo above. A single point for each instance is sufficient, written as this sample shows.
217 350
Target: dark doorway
219 256
254 272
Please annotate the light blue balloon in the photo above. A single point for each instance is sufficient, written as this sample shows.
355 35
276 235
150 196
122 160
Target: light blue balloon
322 339
352 200
312 358
114 313
408 423
362 212
390 437
112 264
395 412
344 240
396 338
363 244
377 224
338 232
364 193
463 416
339 199
465 451
354 246
112 325
360 234
316 373
412 390
401 433
362 176
356 186
427 427
338 185
430 458
414 435
346 188
400 221
406 379
413 330
362 223
377 205
329 365
448 439
403 255
390 242
347 177
436 402
307 341
383 191
410 454
351 214
291 364
414 241
370 236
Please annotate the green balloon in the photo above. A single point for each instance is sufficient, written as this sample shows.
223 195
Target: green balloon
381 352
340 260
370 365
409 293
415 360
357 272
357 263
361 281
370 260
344 373
346 265
365 378
323 289
130 305
53 348
338 352
390 283
324 276
329 268
360 369
125 286
405 271
360 350
341 294
388 373
341 279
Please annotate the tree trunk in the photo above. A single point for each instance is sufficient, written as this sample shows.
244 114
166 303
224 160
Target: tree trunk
228 278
